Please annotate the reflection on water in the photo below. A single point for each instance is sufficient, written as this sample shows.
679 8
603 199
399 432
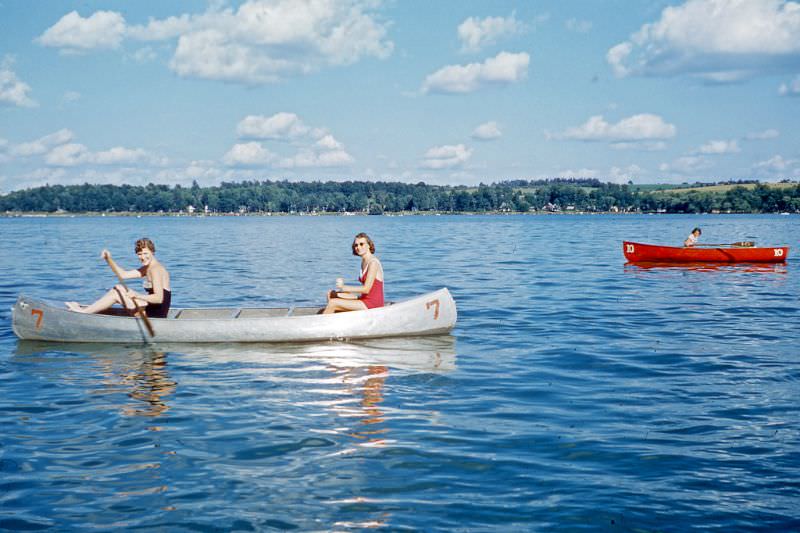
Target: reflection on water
778 268
250 415
140 371
361 368
150 384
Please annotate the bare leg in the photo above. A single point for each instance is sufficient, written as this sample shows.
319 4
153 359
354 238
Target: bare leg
336 305
116 295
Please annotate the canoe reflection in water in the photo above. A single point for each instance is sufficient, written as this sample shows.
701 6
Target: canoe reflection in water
779 268
141 371
361 367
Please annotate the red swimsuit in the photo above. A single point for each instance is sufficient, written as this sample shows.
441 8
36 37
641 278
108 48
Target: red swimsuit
374 298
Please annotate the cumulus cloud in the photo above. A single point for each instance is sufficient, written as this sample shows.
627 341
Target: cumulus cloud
641 146
73 33
42 145
13 91
719 147
262 41
762 135
684 165
504 68
476 33
315 159
248 154
719 40
487 131
777 165
58 149
280 126
447 156
642 127
316 147
73 154
578 26
791 88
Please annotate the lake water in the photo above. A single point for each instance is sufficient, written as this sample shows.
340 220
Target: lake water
576 392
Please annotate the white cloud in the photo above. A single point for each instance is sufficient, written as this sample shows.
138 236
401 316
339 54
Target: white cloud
579 173
642 127
120 156
280 126
446 156
328 143
476 33
719 147
642 146
262 41
145 54
686 165
72 96
578 26
73 154
73 33
43 144
719 40
505 68
624 175
13 91
487 131
248 154
312 159
762 135
68 155
776 164
316 147
791 88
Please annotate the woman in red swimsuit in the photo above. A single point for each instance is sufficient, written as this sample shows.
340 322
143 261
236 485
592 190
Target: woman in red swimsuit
359 297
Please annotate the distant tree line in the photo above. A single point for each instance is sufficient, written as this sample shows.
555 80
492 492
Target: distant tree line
556 195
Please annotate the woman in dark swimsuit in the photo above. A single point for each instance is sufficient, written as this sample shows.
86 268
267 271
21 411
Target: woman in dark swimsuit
156 283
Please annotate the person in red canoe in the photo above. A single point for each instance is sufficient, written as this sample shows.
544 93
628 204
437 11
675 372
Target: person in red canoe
156 283
359 297
691 240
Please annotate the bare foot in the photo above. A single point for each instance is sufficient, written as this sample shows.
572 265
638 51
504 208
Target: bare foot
74 306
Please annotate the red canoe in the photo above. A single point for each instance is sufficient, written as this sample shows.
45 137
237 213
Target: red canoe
636 252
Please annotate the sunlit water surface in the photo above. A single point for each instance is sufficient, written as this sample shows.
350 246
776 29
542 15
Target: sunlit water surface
576 392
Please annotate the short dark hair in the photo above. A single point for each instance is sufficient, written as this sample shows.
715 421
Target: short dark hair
143 243
369 242
697 230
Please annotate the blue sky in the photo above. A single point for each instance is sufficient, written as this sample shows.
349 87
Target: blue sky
442 92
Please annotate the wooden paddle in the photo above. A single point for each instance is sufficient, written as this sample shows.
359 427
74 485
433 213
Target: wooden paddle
740 244
139 311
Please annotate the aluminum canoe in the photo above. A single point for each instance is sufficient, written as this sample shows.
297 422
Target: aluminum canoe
636 252
428 314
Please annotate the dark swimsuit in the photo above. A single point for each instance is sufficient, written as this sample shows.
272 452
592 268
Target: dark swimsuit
159 310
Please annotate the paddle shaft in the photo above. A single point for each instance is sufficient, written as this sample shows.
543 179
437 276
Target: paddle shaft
741 244
139 311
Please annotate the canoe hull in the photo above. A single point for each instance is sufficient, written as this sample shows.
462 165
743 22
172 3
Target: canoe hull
432 313
636 252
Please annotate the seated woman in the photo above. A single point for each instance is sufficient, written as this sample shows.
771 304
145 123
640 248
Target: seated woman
359 297
691 240
156 282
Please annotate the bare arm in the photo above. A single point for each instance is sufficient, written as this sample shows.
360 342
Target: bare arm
372 273
124 274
